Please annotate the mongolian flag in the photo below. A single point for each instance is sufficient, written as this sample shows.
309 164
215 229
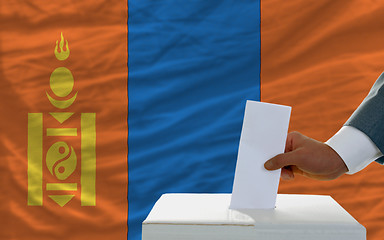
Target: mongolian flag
63 124
106 105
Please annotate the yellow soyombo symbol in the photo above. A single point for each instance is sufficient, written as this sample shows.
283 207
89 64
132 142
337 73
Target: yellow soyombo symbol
61 83
62 55
61 159
61 169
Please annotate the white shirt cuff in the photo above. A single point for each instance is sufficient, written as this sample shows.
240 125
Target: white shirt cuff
355 148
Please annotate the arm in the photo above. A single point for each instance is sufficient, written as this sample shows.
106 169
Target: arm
369 116
308 157
354 147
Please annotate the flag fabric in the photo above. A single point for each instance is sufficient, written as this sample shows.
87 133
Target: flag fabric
193 65
63 131
321 58
106 105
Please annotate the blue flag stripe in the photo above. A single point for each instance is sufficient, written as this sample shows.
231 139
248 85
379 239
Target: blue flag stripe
192 65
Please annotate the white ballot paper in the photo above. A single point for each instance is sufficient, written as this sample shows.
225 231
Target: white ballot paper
263 136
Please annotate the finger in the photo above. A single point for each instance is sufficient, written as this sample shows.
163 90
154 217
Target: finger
287 174
288 144
282 160
296 170
294 139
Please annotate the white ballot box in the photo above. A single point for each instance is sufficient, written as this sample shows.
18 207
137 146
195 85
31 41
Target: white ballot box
208 217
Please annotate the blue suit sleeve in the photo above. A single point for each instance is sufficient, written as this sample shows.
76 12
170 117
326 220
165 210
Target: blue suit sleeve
369 116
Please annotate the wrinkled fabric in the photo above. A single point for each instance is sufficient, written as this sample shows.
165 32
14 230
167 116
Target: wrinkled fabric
322 58
192 66
96 32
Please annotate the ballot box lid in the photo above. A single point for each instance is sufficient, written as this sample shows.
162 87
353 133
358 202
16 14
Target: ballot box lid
208 217
214 209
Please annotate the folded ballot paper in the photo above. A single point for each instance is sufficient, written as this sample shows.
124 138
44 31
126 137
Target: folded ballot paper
254 210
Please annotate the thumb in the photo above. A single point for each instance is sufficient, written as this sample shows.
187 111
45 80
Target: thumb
282 160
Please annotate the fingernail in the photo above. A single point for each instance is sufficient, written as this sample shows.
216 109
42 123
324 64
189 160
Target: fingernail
268 165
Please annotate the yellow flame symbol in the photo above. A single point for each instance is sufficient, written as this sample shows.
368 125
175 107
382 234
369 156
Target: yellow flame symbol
61 160
62 55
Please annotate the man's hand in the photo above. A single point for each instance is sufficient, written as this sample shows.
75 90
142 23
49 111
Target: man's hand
307 157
